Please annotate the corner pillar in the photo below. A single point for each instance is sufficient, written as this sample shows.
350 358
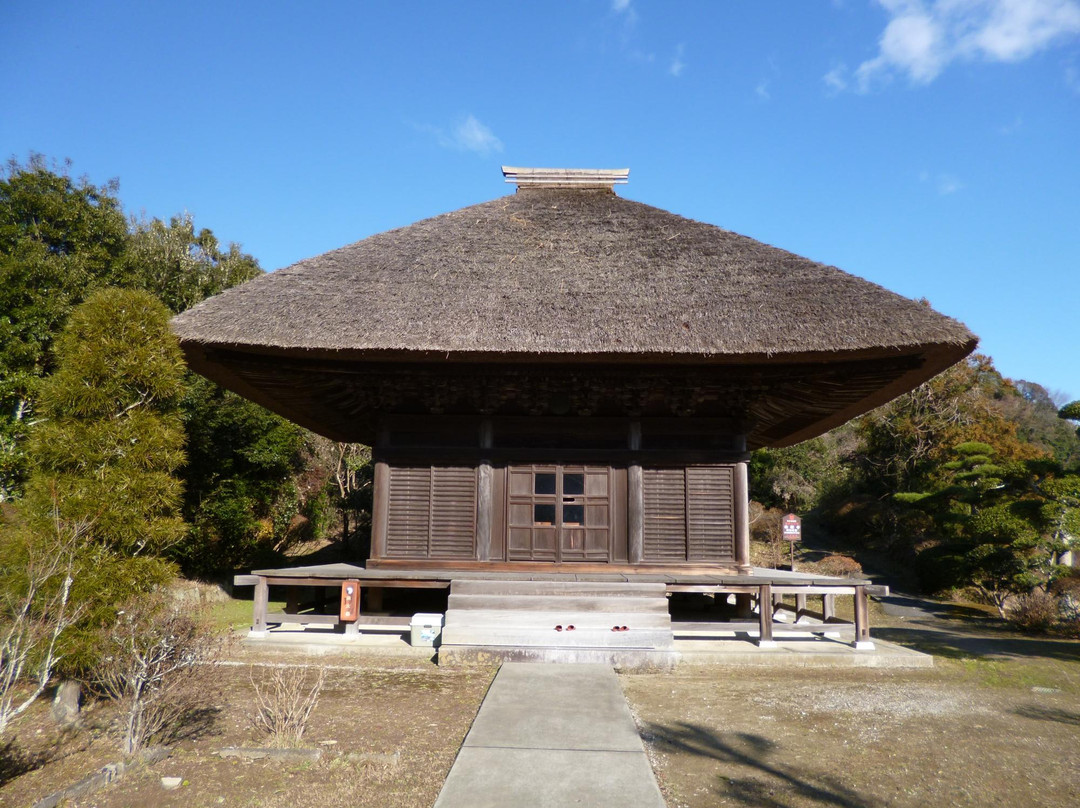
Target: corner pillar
635 508
742 516
484 493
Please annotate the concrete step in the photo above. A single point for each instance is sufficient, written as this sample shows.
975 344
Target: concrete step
502 618
640 660
468 586
560 602
549 638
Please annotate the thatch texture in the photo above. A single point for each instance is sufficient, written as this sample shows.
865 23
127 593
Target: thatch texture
568 275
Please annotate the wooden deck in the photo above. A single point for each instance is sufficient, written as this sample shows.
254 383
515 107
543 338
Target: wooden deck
763 586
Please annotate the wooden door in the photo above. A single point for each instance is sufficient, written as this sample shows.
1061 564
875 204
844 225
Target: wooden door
559 513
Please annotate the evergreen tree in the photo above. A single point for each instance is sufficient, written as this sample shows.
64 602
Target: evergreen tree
110 441
60 239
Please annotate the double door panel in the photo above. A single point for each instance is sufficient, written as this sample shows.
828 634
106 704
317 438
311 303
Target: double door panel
559 513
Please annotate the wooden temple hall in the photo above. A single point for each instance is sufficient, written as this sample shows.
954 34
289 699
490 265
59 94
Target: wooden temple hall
561 388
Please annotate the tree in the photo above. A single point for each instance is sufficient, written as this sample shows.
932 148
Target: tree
111 440
995 530
153 667
795 478
181 267
60 239
240 494
354 479
1071 412
36 610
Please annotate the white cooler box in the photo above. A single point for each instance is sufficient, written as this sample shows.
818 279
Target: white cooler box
426 629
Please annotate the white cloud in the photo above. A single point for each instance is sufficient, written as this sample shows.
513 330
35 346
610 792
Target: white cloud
619 6
923 37
762 90
468 134
948 184
472 135
677 65
945 184
836 79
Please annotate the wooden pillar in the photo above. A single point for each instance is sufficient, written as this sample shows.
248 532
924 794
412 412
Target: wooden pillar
828 607
379 509
292 600
375 598
862 621
744 608
765 617
262 598
635 508
800 607
484 496
742 516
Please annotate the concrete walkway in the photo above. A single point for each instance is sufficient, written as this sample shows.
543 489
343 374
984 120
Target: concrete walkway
551 735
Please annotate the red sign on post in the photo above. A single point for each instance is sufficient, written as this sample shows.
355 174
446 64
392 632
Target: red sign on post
792 527
350 601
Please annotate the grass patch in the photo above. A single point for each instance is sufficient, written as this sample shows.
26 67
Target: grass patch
235 615
1018 673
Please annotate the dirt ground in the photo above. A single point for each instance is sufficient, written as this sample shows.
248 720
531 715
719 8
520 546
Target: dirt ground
389 732
995 722
998 727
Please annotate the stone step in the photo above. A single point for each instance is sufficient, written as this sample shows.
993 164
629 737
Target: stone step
646 638
466 586
562 603
548 620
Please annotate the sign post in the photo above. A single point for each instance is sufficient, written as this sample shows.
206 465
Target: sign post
792 531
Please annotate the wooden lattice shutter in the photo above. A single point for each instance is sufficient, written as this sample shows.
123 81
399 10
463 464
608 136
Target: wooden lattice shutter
665 514
710 498
689 514
453 512
431 512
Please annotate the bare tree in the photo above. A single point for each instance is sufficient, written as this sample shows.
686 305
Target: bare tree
36 611
154 668
349 459
284 703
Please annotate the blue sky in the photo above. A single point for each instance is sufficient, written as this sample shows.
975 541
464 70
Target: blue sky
932 146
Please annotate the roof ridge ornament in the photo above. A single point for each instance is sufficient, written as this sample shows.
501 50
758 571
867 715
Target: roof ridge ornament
566 177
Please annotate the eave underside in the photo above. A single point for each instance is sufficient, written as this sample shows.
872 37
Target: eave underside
772 404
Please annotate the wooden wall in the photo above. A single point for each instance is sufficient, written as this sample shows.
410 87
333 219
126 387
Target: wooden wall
454 492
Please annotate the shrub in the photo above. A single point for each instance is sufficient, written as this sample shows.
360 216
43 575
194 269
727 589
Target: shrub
154 669
839 565
284 703
1035 611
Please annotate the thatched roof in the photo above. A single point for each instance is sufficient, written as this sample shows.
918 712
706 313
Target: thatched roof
569 276
564 273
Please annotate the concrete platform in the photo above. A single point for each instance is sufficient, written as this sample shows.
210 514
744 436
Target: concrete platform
801 651
550 736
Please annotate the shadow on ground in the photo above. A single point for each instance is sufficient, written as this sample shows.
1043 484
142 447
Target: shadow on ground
761 778
962 645
16 761
1039 712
